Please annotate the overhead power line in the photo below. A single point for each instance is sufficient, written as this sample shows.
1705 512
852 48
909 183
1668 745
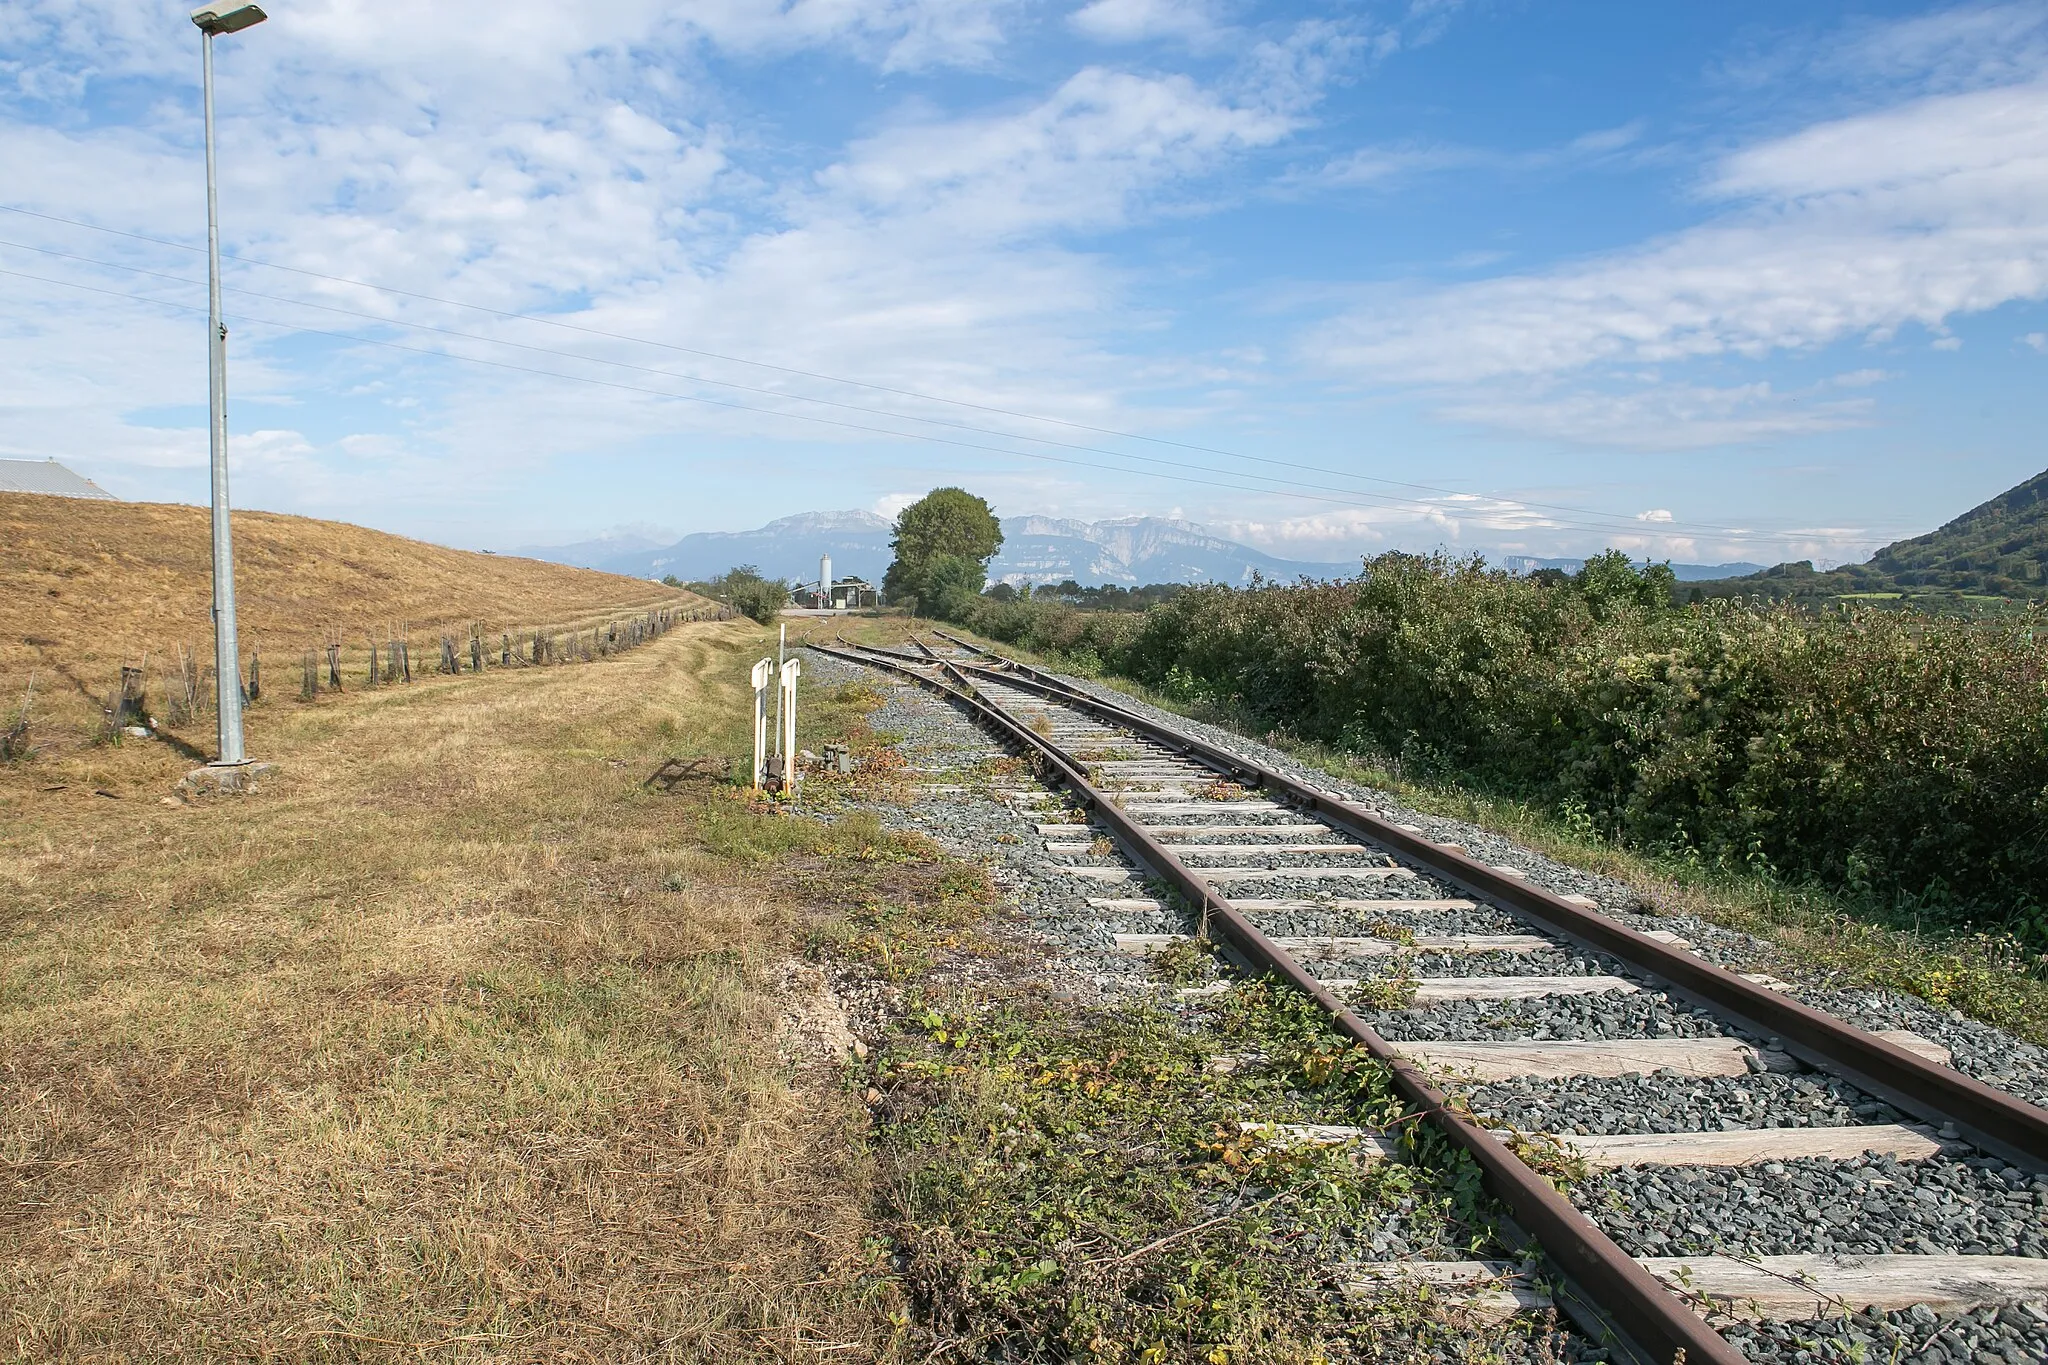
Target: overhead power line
1611 521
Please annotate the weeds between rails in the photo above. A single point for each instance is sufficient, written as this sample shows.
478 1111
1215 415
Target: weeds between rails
1069 1182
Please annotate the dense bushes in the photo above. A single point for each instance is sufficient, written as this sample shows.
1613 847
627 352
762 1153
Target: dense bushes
743 589
1898 756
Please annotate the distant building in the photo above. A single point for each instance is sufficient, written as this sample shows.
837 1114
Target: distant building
47 476
843 594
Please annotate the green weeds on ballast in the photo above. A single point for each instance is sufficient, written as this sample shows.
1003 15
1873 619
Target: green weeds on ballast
1074 1184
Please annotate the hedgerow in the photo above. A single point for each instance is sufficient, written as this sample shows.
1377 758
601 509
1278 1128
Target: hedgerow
1899 757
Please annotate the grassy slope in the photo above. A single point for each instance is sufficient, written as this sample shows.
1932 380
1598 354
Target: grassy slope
452 1034
1997 549
85 585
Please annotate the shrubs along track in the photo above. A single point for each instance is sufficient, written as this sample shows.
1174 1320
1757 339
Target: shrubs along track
1898 758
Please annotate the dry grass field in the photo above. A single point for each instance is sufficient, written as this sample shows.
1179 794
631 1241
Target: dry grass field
452 1041
86 586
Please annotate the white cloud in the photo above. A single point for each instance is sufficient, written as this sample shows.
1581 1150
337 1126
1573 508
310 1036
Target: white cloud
1381 165
1956 48
1081 158
1850 229
2037 340
1658 416
1499 526
533 158
478 46
1132 21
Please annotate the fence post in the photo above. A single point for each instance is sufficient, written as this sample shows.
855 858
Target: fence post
334 667
373 662
309 683
476 654
128 705
255 676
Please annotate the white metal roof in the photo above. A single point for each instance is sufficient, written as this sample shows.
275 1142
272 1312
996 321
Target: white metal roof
47 476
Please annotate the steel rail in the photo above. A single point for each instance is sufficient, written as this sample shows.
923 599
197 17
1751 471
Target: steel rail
1985 1116
1609 1292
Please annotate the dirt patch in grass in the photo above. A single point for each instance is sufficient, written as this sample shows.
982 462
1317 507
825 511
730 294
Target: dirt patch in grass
453 1041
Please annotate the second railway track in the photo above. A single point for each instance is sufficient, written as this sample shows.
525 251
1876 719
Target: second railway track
1426 957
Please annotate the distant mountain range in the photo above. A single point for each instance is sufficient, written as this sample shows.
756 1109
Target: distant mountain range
1129 551
1135 550
1993 553
1685 573
785 548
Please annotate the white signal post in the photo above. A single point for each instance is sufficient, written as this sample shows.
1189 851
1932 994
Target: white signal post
761 672
781 653
791 669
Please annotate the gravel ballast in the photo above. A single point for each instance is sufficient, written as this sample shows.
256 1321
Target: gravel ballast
1869 1206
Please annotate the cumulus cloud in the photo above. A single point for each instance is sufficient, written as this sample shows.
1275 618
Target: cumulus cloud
1655 514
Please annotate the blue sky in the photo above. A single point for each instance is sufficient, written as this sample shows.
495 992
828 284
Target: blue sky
1704 281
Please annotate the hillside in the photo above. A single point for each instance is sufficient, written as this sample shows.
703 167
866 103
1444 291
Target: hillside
1994 553
87 584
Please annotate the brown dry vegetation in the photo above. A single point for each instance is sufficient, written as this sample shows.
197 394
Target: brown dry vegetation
86 585
452 1041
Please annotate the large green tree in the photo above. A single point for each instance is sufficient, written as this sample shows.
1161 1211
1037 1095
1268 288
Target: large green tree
945 524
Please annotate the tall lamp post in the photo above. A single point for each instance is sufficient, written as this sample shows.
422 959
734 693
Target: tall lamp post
214 20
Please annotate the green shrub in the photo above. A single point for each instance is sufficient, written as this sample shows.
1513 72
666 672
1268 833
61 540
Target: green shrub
746 591
1900 757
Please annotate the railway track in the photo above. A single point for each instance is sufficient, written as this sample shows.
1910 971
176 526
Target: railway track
1292 881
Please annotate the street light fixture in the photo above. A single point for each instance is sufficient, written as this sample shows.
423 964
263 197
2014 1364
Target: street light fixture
213 20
